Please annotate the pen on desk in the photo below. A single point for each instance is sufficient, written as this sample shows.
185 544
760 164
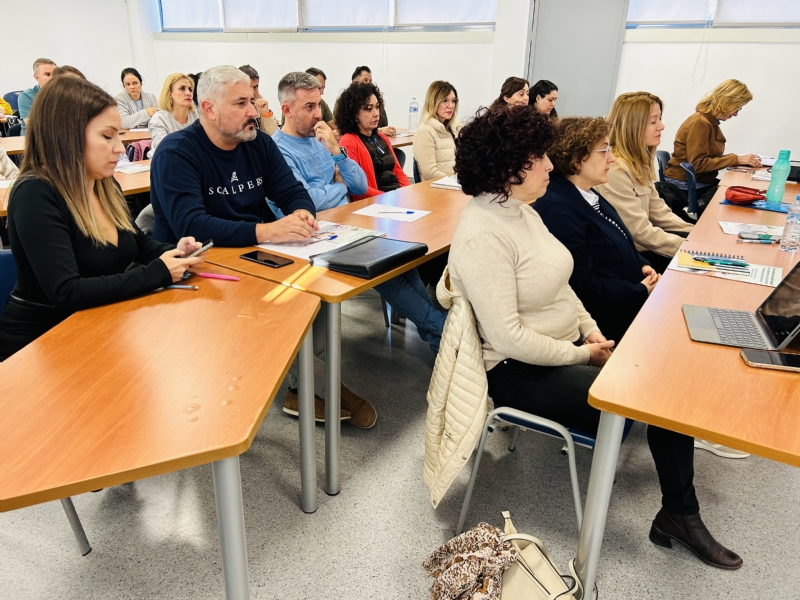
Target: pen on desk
721 263
215 276
395 212
757 242
181 287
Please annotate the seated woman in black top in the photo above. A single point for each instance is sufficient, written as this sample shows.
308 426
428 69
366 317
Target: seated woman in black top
610 277
71 235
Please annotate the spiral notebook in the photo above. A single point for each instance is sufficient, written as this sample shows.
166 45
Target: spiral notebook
685 262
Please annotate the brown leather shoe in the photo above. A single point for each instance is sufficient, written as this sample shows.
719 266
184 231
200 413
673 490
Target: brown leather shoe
363 414
291 402
690 531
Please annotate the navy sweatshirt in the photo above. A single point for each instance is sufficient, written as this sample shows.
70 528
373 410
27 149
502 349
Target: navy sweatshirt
200 190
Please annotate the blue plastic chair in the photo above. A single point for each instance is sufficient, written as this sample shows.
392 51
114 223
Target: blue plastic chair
525 420
662 158
691 189
12 99
8 277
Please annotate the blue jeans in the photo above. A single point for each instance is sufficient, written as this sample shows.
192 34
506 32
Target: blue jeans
406 293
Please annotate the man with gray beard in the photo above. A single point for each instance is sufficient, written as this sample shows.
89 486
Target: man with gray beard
212 178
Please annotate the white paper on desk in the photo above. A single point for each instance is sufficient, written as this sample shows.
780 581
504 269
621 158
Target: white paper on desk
321 241
761 176
139 129
401 134
448 183
759 274
734 228
395 213
5 183
131 168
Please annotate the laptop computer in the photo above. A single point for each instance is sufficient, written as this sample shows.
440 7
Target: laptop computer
772 326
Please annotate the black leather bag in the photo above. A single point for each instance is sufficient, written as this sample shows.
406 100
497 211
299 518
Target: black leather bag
370 256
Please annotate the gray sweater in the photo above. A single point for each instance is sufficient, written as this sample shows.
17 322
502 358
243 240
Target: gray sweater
163 123
129 113
515 274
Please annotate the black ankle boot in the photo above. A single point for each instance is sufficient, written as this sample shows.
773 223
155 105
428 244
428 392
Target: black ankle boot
690 531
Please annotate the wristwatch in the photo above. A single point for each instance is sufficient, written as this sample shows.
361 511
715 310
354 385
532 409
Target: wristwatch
340 157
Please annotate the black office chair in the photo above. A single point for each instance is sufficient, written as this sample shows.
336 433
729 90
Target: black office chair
691 189
129 151
662 158
417 177
401 157
15 130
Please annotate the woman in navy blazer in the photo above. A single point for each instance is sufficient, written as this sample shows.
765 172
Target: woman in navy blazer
610 277
613 280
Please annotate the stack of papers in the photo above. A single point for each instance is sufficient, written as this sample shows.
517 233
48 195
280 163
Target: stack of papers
331 236
734 228
448 183
131 168
758 274
395 213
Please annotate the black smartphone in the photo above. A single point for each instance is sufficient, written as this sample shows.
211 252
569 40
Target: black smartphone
782 361
203 248
265 258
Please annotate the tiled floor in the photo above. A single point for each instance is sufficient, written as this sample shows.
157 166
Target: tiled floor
157 538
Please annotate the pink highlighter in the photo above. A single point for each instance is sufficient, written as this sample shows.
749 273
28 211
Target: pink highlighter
215 276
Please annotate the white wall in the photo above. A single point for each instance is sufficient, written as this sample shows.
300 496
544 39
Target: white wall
91 35
764 59
402 69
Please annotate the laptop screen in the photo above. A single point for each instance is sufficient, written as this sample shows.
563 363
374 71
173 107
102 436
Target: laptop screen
780 312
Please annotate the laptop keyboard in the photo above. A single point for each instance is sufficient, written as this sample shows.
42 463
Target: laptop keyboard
736 327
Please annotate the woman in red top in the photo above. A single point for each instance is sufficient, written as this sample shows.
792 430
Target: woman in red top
357 115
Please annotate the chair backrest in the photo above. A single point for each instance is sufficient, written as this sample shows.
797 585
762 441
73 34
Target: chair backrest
8 276
401 157
662 158
15 130
130 150
417 177
146 219
11 98
691 188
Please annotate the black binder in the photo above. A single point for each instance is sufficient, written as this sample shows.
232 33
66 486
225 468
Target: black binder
370 256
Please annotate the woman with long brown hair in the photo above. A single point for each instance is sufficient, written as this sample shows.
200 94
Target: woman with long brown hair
515 90
71 234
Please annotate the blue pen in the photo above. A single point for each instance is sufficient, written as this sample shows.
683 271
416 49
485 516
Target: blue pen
333 237
757 241
395 212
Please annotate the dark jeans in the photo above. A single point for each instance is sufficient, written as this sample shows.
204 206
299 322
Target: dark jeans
560 394
658 262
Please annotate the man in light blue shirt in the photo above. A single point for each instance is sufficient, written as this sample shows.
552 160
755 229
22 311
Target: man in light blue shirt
312 152
42 72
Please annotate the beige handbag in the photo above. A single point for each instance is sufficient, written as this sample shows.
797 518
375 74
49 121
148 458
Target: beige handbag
534 575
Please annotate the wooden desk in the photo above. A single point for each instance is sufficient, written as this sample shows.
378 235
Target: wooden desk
658 375
135 183
16 145
164 382
399 142
436 230
13 145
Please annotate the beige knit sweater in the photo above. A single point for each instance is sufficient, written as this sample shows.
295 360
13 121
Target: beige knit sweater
515 273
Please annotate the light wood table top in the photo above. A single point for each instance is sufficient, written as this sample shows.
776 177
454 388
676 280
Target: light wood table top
164 382
16 145
13 145
135 183
435 230
399 142
658 375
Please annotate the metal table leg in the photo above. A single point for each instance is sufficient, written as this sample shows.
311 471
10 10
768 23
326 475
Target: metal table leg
308 443
601 480
333 398
230 516
77 528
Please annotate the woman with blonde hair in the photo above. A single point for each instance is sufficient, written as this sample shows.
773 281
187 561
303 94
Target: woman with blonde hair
700 141
636 127
177 109
435 139
71 235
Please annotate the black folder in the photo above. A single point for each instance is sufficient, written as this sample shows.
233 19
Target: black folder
370 256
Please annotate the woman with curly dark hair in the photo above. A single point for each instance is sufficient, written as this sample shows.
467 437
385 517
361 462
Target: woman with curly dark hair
541 348
357 115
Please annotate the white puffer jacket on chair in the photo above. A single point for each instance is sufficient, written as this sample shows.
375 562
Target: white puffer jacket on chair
457 396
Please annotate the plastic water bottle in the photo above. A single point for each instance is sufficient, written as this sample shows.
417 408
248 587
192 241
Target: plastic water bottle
413 117
777 183
790 240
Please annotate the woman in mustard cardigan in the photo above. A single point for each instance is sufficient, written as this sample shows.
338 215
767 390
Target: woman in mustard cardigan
357 116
